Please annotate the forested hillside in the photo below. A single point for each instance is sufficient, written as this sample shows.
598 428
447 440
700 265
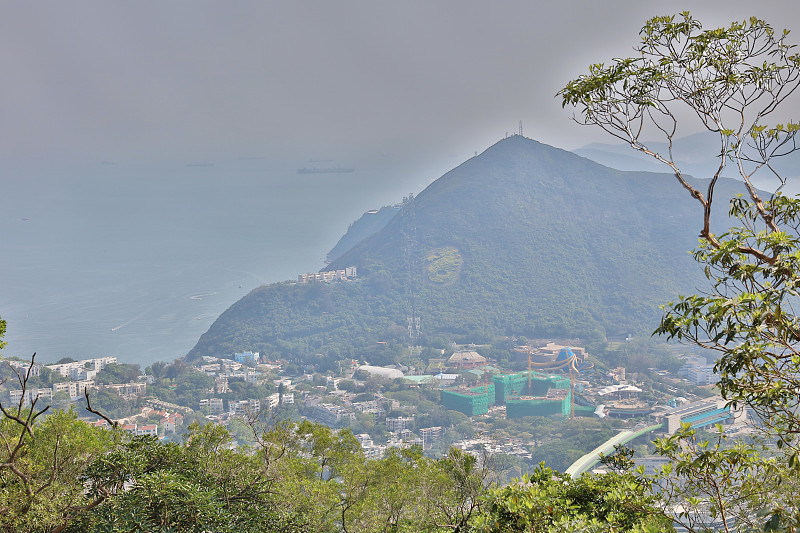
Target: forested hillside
370 222
524 239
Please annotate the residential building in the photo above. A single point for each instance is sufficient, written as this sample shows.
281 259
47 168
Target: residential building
273 400
82 374
371 451
214 405
367 406
430 435
43 395
128 389
702 374
170 422
406 435
245 407
97 364
74 389
221 385
398 424
246 357
149 429
345 274
23 366
133 429
328 413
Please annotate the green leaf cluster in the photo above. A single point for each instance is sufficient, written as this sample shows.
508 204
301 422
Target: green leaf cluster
748 316
548 502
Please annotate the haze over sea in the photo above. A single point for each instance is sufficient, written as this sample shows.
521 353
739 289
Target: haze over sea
137 260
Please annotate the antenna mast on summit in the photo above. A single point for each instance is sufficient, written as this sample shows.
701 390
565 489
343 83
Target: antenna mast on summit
520 128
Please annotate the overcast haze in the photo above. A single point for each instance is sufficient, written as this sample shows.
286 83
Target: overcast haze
130 211
109 80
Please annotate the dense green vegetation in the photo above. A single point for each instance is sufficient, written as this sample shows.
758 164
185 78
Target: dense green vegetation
368 224
547 502
118 373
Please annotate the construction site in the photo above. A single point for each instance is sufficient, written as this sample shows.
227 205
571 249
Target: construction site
530 393
523 394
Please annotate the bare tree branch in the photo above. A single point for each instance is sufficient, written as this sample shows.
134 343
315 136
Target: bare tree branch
111 423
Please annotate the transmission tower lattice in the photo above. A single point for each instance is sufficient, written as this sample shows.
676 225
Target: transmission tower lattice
410 238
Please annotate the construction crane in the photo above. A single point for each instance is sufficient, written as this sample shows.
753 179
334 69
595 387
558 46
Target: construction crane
570 364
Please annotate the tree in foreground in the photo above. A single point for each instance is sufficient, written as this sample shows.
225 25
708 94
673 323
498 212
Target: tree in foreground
549 502
729 81
41 459
60 474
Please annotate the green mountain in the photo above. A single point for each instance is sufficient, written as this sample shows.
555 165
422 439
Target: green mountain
524 239
369 223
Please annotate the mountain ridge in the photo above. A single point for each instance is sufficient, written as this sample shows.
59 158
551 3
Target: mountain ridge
523 239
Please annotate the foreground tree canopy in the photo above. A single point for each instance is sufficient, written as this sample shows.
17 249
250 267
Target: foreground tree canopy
732 80
729 81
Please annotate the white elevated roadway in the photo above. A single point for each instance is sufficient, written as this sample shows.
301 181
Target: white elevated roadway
588 461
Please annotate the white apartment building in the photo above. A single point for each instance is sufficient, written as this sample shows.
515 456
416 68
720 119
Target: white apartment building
97 364
74 389
396 425
701 374
44 395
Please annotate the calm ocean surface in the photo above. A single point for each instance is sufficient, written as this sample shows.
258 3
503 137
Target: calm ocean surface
138 261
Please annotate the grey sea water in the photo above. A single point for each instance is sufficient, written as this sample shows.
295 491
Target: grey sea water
137 260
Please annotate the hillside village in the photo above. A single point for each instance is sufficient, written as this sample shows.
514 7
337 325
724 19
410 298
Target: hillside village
460 398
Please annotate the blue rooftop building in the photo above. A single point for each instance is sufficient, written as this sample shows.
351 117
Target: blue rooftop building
246 357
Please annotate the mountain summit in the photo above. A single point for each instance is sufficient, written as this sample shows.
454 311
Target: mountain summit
524 239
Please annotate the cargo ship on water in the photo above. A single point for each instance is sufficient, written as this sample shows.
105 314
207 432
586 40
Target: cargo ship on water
329 170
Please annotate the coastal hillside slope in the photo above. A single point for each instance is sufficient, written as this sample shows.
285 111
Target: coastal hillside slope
523 239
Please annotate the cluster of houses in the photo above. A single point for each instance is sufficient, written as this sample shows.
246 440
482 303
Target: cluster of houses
493 447
168 423
401 435
329 276
239 366
217 410
401 428
327 404
84 369
236 368
81 376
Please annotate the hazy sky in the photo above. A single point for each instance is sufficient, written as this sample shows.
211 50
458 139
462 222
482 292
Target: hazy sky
200 80
402 90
